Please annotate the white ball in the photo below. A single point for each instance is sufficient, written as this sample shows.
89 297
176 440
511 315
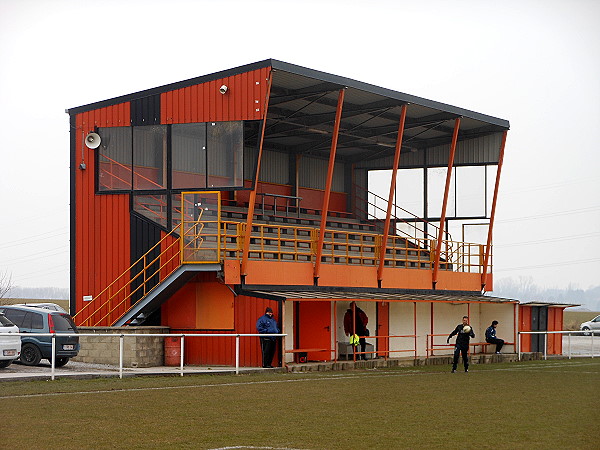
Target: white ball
466 329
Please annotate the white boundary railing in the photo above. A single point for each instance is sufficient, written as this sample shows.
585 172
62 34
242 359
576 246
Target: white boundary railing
123 336
546 333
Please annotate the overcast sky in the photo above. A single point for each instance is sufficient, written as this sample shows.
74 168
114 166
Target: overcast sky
534 63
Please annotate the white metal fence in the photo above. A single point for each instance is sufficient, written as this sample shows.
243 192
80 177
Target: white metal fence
577 343
122 337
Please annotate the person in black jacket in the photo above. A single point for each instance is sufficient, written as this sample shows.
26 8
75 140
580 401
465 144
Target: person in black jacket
490 336
266 324
465 333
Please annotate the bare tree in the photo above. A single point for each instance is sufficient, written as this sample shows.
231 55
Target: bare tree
5 284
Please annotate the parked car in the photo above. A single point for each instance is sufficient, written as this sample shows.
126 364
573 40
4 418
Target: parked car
10 346
31 319
51 306
591 326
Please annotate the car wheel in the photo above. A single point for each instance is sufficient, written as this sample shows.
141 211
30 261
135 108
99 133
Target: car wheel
30 355
586 331
5 363
61 361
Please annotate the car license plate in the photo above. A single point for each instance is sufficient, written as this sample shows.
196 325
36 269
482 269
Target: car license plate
9 352
68 347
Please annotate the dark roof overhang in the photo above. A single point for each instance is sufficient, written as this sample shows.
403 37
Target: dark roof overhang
292 293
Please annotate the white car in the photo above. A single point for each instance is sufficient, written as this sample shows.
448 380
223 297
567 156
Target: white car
592 325
10 346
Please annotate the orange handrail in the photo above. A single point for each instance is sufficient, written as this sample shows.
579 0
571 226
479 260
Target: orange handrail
107 291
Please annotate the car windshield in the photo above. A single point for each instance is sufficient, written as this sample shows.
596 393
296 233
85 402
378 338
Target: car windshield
5 322
62 322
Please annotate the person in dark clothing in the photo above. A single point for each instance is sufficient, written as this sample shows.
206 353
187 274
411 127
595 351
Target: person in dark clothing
357 326
490 336
267 324
465 333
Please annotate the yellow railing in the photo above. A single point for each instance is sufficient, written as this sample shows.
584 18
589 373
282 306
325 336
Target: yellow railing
114 300
204 238
298 243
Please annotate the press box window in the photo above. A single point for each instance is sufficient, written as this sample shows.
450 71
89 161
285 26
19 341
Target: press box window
188 143
150 157
225 146
114 159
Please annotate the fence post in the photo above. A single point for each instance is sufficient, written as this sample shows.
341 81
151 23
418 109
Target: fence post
569 345
519 344
237 354
592 344
53 354
181 355
545 346
121 337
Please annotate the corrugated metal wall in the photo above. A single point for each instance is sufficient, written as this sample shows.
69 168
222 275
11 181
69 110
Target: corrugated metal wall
313 174
221 351
481 150
274 167
102 238
244 100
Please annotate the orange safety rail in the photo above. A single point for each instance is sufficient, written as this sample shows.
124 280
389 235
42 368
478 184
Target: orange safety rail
127 168
387 352
112 302
431 345
298 243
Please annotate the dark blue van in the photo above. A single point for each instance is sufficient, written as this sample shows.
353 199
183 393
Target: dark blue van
32 319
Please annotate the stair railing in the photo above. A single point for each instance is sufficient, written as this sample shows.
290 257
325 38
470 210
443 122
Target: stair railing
111 300
361 193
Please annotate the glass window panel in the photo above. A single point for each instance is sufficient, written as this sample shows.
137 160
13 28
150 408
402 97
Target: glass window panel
114 159
154 207
470 191
436 185
149 157
225 147
188 146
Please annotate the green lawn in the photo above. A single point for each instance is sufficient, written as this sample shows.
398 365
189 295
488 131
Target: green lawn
533 404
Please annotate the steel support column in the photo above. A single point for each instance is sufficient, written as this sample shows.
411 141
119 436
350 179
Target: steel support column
386 226
252 200
327 193
438 247
488 247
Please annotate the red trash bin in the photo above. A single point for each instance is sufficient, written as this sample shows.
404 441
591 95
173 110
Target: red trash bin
172 351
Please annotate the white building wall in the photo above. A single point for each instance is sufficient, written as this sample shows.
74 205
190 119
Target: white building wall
288 328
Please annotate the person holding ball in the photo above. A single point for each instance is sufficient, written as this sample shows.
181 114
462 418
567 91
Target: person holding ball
464 334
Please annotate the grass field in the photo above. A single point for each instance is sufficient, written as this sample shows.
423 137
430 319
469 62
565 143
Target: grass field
533 404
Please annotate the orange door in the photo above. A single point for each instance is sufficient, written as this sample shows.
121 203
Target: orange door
314 329
383 329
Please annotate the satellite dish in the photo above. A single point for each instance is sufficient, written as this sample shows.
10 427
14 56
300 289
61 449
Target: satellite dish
92 140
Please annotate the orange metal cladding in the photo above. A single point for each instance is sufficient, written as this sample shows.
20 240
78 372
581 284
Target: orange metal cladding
555 321
244 100
252 202
525 325
221 351
336 129
493 213
102 221
386 227
436 264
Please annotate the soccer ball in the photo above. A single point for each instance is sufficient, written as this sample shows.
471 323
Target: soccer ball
466 329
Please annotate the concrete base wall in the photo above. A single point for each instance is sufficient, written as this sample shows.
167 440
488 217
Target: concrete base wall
408 362
138 351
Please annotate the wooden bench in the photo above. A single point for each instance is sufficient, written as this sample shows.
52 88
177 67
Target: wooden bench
484 345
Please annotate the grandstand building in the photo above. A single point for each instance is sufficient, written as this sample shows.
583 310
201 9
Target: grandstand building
197 204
